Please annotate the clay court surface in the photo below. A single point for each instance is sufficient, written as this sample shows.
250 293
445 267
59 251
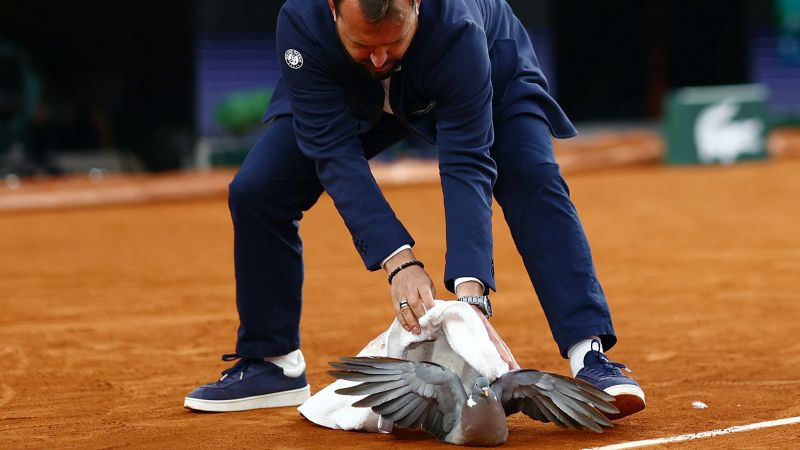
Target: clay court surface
110 315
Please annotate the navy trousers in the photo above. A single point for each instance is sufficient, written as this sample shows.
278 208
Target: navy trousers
276 184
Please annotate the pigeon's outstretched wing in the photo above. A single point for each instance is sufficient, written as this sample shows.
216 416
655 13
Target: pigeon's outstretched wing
553 398
410 394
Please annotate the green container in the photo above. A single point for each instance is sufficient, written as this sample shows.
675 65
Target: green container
242 111
717 124
231 157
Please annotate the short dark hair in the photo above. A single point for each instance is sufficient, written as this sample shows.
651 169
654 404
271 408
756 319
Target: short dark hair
375 11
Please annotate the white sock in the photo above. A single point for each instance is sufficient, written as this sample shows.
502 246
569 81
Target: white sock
293 364
577 352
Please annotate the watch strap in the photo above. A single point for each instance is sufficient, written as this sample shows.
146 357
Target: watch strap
481 302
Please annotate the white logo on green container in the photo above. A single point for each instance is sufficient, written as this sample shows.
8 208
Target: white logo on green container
719 137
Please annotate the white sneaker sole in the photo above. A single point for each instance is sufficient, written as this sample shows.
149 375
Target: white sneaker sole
629 400
276 400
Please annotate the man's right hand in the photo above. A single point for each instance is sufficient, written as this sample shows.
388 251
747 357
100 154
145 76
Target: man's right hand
413 285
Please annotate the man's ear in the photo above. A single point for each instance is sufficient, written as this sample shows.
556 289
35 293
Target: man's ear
333 8
417 5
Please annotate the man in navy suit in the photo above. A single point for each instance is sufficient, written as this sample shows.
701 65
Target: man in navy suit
358 76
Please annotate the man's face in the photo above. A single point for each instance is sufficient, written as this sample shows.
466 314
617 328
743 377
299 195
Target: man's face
377 49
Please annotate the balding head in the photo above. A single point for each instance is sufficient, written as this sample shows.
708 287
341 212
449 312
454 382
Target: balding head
376 11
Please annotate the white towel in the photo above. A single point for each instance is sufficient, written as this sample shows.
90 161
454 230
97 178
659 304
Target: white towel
452 334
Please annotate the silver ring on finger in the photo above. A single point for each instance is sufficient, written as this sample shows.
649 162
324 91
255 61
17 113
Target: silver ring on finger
403 304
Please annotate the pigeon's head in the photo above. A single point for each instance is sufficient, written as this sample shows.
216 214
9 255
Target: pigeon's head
482 391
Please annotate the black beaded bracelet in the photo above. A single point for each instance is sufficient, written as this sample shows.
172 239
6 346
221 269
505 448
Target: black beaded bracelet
405 265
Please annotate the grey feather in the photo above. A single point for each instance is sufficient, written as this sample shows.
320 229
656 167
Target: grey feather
555 398
420 413
573 410
518 405
423 394
601 403
400 414
370 388
367 369
582 390
585 387
381 397
406 415
535 406
578 406
554 410
358 376
433 423
377 362
391 406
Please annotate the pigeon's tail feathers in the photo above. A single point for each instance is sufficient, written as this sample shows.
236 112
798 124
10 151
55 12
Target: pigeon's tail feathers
553 398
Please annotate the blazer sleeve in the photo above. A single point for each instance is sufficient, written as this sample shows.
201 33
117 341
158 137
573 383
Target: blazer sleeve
327 134
462 82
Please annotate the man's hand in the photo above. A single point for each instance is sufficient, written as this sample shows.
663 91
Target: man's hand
413 285
502 348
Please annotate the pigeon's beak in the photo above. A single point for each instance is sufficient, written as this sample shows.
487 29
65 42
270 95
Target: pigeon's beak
484 392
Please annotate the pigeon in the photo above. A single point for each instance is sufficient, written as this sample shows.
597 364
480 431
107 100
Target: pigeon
426 395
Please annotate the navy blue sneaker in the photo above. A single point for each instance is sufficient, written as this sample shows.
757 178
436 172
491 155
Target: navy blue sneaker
250 384
607 376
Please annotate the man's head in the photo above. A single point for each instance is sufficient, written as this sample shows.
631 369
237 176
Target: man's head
376 33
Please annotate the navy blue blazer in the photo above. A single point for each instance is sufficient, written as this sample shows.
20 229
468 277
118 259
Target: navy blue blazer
471 63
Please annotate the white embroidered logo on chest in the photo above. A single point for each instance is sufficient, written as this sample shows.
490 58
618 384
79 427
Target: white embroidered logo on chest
293 58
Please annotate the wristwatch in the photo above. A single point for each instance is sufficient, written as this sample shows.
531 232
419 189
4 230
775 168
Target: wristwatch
481 302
